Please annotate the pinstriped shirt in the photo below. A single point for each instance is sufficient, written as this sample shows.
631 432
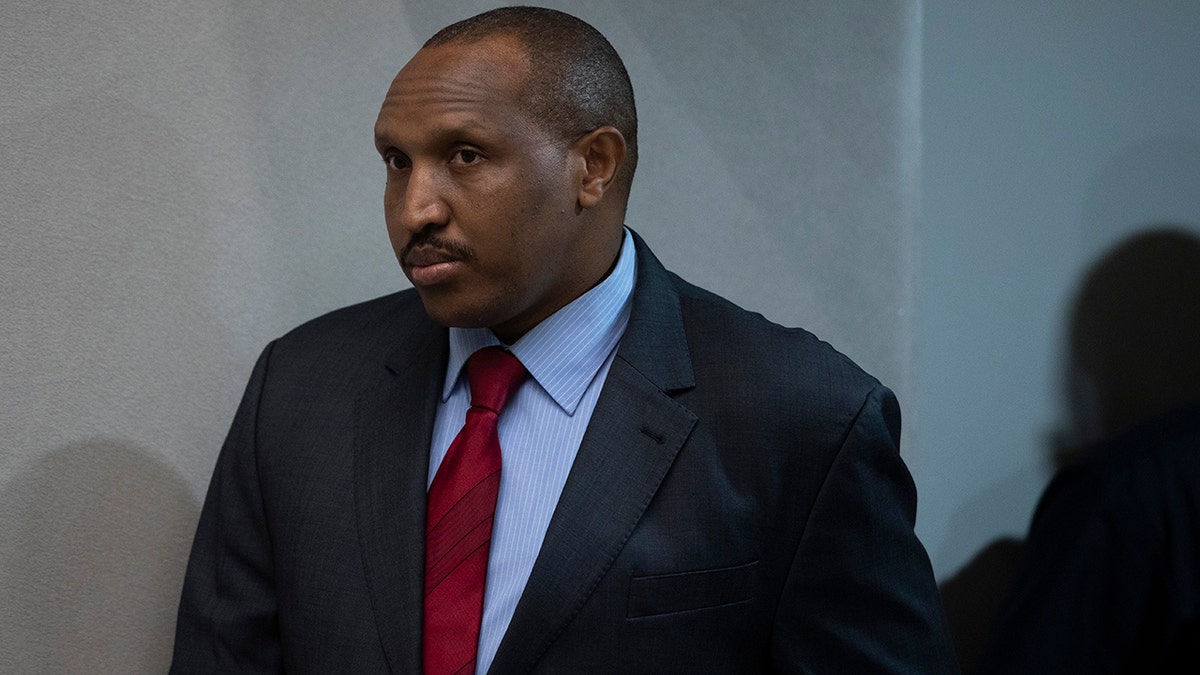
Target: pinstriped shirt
568 356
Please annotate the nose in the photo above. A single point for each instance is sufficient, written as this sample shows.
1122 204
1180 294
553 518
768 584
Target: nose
421 200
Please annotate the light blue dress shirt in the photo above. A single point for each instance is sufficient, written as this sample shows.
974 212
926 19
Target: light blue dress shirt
568 356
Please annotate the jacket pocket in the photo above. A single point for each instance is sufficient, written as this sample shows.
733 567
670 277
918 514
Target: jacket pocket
688 591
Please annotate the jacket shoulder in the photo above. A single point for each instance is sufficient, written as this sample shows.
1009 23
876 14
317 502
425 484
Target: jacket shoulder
361 326
354 322
763 351
340 341
788 380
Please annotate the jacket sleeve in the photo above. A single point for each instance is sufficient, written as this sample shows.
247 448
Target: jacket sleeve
860 596
227 613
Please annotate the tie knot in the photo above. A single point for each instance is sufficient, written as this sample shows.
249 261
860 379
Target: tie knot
494 374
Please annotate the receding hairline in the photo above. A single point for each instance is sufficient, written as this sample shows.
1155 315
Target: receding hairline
525 77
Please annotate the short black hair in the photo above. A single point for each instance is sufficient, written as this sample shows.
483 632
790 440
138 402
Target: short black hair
577 81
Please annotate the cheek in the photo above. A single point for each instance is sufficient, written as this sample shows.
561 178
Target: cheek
395 233
519 224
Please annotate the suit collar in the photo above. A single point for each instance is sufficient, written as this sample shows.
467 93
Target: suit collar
655 343
393 425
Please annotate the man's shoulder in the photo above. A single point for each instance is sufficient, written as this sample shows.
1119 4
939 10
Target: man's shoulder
371 327
726 340
353 320
782 387
722 331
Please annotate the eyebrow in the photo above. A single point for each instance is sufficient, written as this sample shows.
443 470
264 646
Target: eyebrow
443 136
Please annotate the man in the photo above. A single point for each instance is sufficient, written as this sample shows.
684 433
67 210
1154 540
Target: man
685 487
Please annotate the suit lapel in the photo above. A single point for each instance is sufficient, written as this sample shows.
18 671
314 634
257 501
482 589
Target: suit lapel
394 425
632 439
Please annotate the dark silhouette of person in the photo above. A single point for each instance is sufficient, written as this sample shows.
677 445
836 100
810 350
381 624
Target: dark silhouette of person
972 597
1109 580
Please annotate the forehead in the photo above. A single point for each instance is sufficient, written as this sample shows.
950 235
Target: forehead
474 84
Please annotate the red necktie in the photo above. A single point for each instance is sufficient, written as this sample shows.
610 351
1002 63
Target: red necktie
458 523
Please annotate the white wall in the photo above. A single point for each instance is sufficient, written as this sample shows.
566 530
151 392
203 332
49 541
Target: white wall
1050 131
185 181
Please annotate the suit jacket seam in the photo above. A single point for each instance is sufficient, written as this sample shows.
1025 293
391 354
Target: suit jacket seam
829 470
267 353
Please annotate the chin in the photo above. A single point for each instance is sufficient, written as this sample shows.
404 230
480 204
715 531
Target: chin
451 314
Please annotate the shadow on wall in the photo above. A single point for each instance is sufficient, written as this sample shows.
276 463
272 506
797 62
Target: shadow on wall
93 546
1113 557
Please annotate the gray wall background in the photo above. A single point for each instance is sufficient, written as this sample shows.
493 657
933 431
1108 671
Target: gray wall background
185 181
1050 131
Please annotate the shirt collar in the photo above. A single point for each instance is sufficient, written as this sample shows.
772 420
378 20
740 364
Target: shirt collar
564 352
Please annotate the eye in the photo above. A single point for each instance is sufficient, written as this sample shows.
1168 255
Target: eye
466 156
395 161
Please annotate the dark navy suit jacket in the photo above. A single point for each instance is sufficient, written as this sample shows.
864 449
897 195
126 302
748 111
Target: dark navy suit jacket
738 504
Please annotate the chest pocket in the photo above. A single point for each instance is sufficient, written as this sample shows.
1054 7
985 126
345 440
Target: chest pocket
689 591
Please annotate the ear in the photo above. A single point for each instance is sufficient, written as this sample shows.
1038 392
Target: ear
602 152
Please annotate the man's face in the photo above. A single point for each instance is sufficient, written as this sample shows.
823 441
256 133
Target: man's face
480 198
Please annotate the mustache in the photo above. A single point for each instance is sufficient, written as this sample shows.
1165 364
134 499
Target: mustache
426 238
